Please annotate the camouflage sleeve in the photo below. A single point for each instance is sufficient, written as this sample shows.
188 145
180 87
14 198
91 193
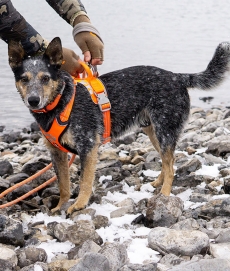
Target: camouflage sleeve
13 26
69 10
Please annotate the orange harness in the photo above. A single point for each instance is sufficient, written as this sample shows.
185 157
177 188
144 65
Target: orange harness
59 123
98 95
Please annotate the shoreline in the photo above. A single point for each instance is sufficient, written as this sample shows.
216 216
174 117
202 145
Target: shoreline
127 224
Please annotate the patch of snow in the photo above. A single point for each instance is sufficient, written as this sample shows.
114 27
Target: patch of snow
52 248
151 173
208 170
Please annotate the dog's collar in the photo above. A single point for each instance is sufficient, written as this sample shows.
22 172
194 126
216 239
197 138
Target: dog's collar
53 104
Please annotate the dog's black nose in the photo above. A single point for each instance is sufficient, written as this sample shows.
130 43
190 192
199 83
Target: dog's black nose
34 100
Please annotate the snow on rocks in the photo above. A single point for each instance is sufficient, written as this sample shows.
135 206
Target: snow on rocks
127 225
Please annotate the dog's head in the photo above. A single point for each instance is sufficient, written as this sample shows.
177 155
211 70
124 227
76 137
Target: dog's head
37 77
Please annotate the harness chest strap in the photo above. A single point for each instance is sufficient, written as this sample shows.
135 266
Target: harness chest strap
59 125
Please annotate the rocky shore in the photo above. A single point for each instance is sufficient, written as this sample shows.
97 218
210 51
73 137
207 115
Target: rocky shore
128 225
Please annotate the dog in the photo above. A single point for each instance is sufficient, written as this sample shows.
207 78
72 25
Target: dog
146 96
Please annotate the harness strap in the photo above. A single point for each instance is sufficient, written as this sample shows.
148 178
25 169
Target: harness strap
99 96
59 125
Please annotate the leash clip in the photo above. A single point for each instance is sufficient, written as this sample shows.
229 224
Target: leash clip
93 69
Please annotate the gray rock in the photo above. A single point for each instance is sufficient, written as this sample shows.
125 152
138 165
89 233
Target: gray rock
185 243
163 211
132 181
22 190
211 159
220 148
223 236
33 267
153 165
204 265
211 127
30 255
17 178
89 211
190 180
197 197
189 167
139 267
171 260
5 168
92 262
221 250
187 224
100 221
152 156
81 231
121 212
11 231
31 168
4 184
116 255
8 259
126 207
62 265
88 246
217 207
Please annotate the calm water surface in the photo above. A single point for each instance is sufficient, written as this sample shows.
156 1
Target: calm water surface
180 36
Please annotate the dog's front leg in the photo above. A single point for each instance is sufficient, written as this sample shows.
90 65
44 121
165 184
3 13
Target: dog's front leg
60 164
88 167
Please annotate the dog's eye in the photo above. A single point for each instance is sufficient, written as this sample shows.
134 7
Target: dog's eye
45 79
25 79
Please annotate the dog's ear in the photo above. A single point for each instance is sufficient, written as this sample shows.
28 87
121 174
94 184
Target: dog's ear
16 54
54 52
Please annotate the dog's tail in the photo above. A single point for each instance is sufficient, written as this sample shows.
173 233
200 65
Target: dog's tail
215 71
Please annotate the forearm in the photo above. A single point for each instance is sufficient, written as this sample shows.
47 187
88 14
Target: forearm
69 10
13 26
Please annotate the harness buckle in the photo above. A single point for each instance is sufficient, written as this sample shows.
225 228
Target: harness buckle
103 101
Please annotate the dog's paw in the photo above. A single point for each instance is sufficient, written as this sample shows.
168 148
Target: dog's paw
75 207
156 183
165 191
55 210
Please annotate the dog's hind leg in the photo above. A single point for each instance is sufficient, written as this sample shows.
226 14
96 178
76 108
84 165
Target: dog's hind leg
167 173
150 131
167 168
88 167
60 164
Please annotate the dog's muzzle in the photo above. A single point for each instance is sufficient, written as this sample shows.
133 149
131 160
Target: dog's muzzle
33 101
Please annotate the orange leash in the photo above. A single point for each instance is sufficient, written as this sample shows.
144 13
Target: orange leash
28 180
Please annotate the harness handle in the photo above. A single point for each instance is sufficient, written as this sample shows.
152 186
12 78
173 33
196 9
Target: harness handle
88 70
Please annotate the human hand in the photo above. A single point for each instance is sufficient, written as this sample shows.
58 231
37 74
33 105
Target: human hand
88 39
70 62
91 47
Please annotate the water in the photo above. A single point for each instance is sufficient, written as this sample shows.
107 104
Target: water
180 36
